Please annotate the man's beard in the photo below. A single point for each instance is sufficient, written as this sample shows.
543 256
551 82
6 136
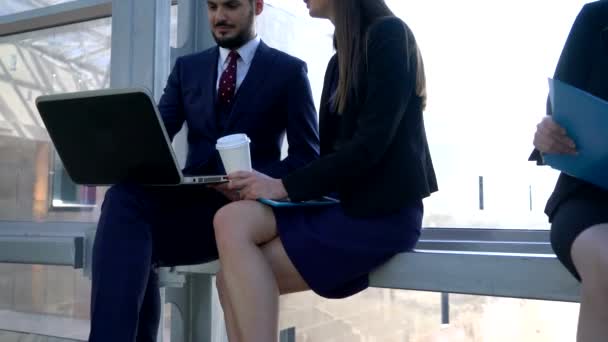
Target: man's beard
232 43
240 39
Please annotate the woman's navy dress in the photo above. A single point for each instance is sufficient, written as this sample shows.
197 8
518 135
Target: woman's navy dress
335 252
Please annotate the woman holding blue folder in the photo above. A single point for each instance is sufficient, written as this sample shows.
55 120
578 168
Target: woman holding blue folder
577 210
376 159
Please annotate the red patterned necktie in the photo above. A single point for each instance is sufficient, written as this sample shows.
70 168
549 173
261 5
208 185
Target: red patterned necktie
227 86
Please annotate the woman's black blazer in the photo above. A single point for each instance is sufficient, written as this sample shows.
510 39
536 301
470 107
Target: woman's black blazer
378 160
583 64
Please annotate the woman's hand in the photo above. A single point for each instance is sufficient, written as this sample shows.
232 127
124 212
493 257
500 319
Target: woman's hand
254 185
552 138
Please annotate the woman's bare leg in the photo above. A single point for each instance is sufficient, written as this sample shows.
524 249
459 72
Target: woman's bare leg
240 229
287 276
590 256
231 327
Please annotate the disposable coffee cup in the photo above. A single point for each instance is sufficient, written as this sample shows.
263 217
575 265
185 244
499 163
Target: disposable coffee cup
234 151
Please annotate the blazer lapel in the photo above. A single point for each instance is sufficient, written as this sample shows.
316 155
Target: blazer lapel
260 65
209 87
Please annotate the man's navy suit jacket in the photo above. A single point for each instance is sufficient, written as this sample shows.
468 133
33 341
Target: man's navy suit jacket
274 99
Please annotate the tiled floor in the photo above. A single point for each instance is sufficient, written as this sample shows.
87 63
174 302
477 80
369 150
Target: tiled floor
38 324
27 327
16 337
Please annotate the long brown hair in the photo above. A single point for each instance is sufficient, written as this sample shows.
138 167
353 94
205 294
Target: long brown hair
352 20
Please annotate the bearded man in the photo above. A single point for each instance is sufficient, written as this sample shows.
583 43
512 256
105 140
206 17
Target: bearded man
239 86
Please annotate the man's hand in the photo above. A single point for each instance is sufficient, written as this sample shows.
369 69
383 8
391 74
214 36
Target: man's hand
552 138
254 185
232 195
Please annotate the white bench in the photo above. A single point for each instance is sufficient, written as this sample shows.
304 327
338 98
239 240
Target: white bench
466 261
487 262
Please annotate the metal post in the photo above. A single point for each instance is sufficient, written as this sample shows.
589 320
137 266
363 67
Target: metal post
530 196
203 311
445 308
193 32
288 335
481 202
194 304
141 51
140 44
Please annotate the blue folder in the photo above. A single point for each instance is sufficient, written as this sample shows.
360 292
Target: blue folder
312 203
585 119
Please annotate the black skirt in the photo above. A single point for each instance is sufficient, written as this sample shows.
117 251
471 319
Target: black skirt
582 210
335 252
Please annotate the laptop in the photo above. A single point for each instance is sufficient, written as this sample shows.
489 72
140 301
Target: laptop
112 136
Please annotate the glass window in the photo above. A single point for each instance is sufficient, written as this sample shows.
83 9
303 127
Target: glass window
33 183
44 300
487 85
285 25
16 6
65 193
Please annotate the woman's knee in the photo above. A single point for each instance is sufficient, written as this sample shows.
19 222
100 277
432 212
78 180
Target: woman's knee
228 224
590 255
243 222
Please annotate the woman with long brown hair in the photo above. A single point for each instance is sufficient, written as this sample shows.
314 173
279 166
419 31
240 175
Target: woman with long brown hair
374 159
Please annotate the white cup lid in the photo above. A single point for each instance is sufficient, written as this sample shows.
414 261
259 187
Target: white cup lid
232 141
